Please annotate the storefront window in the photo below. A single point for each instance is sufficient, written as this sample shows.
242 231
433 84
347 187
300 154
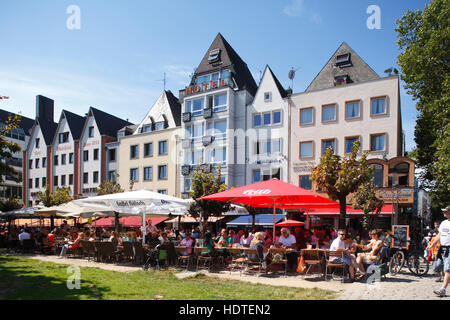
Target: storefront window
378 175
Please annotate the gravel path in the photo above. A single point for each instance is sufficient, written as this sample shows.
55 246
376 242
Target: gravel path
403 286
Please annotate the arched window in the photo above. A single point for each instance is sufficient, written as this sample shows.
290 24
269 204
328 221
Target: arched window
378 175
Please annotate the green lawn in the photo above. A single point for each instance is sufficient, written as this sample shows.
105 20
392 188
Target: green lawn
28 279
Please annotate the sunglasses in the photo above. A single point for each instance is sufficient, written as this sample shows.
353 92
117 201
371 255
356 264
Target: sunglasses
341 234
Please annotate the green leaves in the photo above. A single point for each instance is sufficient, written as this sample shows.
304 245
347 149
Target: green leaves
8 148
48 199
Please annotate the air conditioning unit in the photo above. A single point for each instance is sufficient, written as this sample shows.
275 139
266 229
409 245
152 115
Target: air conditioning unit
186 116
186 143
207 113
185 170
207 140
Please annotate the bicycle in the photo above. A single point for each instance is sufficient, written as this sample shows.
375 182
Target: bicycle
415 260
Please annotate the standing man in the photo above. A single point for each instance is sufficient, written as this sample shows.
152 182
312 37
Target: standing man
443 238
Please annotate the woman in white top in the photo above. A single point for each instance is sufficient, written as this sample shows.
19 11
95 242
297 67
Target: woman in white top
374 246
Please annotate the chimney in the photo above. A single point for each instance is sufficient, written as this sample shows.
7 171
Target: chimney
44 108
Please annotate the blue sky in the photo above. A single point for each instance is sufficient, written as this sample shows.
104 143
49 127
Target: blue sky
117 58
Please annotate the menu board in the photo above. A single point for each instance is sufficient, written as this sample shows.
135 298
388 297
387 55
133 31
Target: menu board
400 236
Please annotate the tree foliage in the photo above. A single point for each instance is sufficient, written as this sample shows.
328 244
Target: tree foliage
424 39
8 148
110 187
366 199
60 196
204 183
9 205
340 176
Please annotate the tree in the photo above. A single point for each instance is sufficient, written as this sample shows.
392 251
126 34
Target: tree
9 205
49 199
205 183
423 38
110 187
340 176
366 199
8 148
390 70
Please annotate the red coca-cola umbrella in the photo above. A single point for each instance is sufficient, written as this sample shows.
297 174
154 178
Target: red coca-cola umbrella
272 193
290 223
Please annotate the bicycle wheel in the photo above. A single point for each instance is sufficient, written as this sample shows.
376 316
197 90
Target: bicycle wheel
417 264
396 263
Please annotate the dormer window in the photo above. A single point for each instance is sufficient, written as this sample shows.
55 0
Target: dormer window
214 56
340 80
343 60
267 96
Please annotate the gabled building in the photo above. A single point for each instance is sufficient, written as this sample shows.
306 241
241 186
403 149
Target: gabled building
267 131
214 115
148 152
37 157
100 128
11 186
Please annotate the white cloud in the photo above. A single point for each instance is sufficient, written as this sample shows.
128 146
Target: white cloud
295 9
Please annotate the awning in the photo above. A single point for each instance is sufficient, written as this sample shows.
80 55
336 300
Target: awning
385 211
126 221
189 219
260 220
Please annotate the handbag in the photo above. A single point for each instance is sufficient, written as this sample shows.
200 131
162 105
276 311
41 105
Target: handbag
301 266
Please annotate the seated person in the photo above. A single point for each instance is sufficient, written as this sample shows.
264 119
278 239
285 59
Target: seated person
72 245
225 240
339 245
153 240
246 239
374 246
259 244
288 241
51 239
187 242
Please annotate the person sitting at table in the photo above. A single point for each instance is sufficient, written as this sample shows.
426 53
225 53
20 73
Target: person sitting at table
117 243
163 238
187 242
339 245
374 246
71 245
258 244
287 241
325 243
24 235
268 238
51 239
246 239
153 240
225 240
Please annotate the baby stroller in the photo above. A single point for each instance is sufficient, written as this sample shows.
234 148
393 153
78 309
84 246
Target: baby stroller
156 258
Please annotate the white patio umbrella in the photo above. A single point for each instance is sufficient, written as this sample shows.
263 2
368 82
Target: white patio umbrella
140 202
73 210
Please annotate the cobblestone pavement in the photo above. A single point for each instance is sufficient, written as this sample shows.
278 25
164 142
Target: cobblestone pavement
403 286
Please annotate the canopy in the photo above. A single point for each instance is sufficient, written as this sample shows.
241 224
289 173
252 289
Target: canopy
290 223
127 221
190 219
385 210
23 212
272 193
260 220
70 209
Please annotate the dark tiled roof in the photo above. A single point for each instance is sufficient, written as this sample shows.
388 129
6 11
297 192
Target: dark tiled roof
359 71
229 58
75 122
48 129
108 124
278 84
25 123
175 107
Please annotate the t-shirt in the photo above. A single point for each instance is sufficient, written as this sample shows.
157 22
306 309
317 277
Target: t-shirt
444 230
228 240
24 236
335 245
289 241
188 244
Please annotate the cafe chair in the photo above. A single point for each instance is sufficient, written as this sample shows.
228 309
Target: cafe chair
312 259
252 259
278 258
331 255
139 254
28 245
128 252
184 259
203 257
238 259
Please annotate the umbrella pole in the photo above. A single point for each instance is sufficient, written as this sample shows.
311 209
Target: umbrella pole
143 228
273 234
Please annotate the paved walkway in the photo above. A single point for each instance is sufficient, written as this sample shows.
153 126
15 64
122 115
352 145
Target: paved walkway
403 286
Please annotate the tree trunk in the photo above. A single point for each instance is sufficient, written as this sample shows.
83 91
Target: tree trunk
116 222
253 221
52 223
343 212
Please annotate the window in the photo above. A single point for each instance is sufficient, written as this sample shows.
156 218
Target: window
44 182
95 154
55 181
378 175
276 146
217 155
145 128
196 157
70 179
349 141
44 162
95 179
266 118
162 172
343 60
159 126
187 185
256 120
329 113
340 80
256 176
162 191
195 106
220 102
267 96
306 150
162 147
37 142
112 175
134 151
91 132
214 56
86 155
148 173
30 183
30 164
63 137
112 155
71 157
37 163
273 173
217 129
63 180
63 159
195 131
36 183
276 117
55 160
378 106
328 143
148 149
306 116
305 182
86 177
378 142
352 109
134 174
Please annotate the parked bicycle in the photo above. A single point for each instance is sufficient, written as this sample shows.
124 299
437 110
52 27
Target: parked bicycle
414 258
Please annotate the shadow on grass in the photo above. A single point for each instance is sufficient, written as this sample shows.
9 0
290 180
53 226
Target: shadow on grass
23 279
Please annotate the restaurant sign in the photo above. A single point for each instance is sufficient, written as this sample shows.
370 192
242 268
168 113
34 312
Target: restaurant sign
304 167
401 195
206 86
